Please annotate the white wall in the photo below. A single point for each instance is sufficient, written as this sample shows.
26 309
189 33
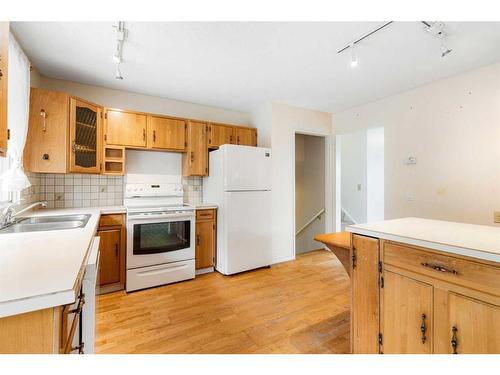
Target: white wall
353 174
452 126
309 189
375 174
284 121
153 162
139 102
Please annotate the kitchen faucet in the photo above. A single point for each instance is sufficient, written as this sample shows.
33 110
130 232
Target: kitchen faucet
9 214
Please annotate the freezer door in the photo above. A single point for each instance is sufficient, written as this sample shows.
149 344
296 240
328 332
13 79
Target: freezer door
246 168
247 220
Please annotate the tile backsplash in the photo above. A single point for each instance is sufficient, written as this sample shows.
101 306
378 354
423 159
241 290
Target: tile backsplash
84 190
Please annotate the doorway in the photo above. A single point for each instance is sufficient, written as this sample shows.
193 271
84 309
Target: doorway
359 177
310 186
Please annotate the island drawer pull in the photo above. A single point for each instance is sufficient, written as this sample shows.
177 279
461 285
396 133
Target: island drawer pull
439 268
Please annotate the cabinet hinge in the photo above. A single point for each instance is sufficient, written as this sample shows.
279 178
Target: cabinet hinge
101 114
380 339
8 134
379 267
185 144
353 258
185 126
381 281
105 137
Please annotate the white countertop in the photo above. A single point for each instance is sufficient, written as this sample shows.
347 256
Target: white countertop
477 241
205 206
39 269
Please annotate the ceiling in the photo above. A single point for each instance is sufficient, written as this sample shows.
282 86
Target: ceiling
240 65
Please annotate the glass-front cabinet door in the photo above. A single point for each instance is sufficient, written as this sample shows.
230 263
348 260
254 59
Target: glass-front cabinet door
86 137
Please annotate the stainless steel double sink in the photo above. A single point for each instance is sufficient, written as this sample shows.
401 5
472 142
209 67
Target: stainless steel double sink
44 223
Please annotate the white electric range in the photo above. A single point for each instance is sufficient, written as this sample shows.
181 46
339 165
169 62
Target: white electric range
160 231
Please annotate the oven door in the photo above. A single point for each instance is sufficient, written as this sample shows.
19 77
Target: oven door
158 239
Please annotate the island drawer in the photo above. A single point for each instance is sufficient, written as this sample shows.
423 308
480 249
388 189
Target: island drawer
480 276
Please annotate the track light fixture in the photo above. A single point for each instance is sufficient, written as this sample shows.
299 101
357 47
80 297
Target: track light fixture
354 57
121 35
437 30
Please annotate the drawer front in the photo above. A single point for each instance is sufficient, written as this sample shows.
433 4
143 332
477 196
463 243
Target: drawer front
111 220
205 214
478 276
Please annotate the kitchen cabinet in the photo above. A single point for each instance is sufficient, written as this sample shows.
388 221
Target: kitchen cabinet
166 133
125 128
85 131
430 301
195 160
112 253
219 134
47 141
406 317
365 295
4 69
64 134
205 238
245 136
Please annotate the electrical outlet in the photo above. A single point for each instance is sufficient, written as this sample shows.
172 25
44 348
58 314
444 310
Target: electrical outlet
58 196
496 217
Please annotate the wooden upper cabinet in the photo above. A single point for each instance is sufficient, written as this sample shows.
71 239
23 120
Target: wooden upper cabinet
46 148
195 160
85 154
219 134
246 136
365 295
4 62
406 317
125 128
166 133
473 326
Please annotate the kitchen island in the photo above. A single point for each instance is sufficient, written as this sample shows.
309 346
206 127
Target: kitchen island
425 286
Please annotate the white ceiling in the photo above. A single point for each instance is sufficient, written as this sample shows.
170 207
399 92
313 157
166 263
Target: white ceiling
241 65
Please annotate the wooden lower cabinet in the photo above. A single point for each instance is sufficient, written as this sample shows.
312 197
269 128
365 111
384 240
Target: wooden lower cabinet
430 301
406 316
112 253
365 295
205 238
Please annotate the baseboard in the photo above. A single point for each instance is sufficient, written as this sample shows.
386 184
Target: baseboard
201 271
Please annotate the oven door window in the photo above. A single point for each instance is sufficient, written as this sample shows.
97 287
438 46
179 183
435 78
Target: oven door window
154 238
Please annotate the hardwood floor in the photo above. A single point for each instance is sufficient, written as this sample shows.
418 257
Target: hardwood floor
300 306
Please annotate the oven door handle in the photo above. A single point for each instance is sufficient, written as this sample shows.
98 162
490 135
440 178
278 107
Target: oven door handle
131 218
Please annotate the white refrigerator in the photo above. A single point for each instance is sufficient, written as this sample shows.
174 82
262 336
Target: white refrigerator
239 183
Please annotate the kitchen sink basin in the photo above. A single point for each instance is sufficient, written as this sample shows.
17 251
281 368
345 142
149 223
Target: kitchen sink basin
44 223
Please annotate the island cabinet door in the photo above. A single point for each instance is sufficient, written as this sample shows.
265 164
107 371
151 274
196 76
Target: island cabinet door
406 315
473 326
365 295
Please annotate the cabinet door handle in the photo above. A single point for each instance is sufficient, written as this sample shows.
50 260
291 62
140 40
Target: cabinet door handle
192 156
423 329
116 248
353 258
143 134
198 240
238 139
154 136
454 339
439 268
43 114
